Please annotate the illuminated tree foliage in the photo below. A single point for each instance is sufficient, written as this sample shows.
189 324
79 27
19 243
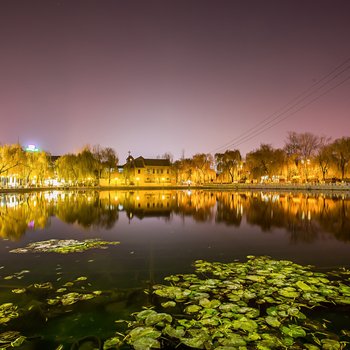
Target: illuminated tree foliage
265 161
341 152
228 162
11 158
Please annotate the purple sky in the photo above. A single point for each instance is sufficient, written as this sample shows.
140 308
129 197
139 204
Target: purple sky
169 76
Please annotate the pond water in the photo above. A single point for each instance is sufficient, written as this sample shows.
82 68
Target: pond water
160 233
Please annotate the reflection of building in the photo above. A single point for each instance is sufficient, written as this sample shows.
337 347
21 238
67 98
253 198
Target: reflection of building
149 204
147 172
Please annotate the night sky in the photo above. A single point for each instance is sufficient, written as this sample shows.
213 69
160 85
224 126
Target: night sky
172 76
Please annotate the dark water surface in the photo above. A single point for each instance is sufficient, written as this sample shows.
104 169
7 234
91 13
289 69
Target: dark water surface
160 233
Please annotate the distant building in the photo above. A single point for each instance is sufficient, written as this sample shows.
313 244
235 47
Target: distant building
146 172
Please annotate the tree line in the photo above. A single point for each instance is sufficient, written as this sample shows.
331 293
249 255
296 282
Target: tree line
305 157
85 167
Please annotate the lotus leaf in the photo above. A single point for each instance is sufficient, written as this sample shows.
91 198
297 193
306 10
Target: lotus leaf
195 342
270 340
19 290
214 321
344 289
144 332
272 321
206 303
8 311
263 346
288 341
142 315
330 344
293 331
192 309
289 292
169 292
233 340
169 304
145 343
207 313
46 285
156 318
87 296
83 278
255 278
329 291
245 324
18 342
343 300
311 347
303 286
68 284
227 315
272 311
346 332
249 311
172 278
293 311
112 343
252 336
172 332
9 336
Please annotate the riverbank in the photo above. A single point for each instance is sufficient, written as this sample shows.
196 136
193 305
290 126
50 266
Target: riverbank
341 187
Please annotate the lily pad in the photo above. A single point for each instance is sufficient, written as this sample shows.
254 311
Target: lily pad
293 331
63 246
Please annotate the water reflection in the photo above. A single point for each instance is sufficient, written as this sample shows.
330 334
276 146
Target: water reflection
306 216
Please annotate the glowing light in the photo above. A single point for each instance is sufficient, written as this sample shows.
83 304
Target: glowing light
32 148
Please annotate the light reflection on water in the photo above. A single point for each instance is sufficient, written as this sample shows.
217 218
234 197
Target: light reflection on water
163 232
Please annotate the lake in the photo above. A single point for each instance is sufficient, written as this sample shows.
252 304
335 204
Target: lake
161 233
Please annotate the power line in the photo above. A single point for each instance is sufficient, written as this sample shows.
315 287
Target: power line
254 131
294 112
263 128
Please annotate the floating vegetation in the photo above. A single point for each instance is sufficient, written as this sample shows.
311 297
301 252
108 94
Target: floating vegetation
18 290
8 311
11 339
17 275
64 246
70 298
260 304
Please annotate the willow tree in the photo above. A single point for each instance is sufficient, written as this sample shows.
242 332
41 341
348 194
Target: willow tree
228 162
67 168
202 164
265 161
302 148
341 152
109 161
12 157
325 158
36 167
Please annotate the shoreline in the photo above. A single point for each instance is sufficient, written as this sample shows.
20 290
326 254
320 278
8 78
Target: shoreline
218 187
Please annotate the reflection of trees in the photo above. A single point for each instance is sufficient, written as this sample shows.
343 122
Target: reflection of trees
21 212
87 209
229 208
306 217
335 218
197 204
265 210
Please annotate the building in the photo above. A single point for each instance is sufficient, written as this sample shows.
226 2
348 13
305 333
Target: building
146 172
